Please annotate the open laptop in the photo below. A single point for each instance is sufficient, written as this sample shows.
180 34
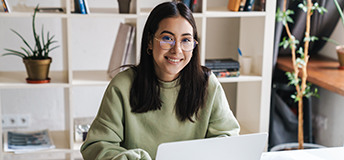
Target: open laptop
243 147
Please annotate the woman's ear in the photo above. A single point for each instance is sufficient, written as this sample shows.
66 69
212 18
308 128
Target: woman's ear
150 42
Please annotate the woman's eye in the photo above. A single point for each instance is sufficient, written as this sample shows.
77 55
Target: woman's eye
187 40
167 38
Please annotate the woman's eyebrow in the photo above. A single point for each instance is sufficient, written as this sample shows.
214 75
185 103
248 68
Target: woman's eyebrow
185 34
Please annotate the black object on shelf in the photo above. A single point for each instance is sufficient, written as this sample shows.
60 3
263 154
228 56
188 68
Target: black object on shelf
124 6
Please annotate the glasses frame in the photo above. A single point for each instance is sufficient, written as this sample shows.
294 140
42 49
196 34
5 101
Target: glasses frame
174 43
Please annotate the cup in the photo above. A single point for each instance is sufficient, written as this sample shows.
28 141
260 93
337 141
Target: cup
246 62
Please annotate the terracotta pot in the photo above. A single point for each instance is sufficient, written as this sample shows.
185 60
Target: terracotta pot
37 69
340 53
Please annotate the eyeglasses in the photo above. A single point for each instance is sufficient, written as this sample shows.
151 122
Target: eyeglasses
187 44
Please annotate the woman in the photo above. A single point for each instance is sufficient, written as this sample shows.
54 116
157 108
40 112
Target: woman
168 97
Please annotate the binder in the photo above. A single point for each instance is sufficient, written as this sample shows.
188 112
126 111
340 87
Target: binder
233 5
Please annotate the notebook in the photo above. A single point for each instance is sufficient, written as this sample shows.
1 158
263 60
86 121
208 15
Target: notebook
243 147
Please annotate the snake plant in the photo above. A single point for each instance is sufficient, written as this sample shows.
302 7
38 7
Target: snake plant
40 50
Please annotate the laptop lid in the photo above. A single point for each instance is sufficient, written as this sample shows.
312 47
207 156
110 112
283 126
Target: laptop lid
242 147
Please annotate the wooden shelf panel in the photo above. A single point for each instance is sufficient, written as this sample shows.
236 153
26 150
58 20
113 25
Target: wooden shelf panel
241 78
90 78
16 79
322 72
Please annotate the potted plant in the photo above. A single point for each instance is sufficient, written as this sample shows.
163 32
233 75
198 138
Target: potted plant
36 59
339 47
300 59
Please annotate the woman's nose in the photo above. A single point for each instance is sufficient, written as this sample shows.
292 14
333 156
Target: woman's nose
177 48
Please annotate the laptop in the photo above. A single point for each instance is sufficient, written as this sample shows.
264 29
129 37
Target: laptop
242 147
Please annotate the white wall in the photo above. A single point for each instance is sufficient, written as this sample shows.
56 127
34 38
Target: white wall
330 104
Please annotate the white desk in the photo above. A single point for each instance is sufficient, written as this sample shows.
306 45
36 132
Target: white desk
333 153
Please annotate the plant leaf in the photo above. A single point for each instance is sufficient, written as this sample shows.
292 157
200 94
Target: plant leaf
13 52
22 39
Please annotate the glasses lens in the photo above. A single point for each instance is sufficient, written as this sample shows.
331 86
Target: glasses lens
166 44
188 46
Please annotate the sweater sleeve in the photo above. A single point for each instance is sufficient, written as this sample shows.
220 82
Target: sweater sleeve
222 121
107 132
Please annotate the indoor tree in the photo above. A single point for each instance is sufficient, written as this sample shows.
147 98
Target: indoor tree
299 57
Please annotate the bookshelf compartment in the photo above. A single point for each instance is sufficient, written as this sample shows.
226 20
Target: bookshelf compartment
51 116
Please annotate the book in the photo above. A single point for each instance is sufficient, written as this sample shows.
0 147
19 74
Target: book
193 5
6 6
233 5
121 49
79 6
187 3
23 142
220 74
72 6
242 5
86 7
222 65
129 48
50 10
259 5
248 5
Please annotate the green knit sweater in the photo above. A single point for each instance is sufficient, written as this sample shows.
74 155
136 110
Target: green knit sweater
118 134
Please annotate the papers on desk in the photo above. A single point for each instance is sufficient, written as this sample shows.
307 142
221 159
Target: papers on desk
299 155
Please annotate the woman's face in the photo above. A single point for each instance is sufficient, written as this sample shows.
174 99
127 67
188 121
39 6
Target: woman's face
169 62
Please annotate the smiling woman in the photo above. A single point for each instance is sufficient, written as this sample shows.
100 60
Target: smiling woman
170 57
167 97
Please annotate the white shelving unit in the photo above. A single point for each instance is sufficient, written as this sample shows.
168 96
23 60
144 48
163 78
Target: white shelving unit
221 32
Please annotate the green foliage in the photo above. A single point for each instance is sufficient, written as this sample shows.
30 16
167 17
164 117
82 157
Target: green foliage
311 38
308 91
284 16
300 51
41 49
315 6
290 42
292 80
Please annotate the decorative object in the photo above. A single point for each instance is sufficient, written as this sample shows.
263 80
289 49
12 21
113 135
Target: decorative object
124 6
36 59
299 61
340 53
339 47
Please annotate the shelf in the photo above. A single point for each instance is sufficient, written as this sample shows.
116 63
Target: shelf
90 78
17 80
224 12
30 14
241 78
104 12
321 71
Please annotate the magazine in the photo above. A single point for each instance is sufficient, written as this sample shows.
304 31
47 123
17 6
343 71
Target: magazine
22 142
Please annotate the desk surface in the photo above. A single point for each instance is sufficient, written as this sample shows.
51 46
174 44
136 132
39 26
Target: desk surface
322 72
332 153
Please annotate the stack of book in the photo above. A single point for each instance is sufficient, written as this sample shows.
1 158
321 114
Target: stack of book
224 67
122 49
23 142
246 5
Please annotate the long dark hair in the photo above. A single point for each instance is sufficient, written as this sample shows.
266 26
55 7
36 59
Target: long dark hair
145 91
